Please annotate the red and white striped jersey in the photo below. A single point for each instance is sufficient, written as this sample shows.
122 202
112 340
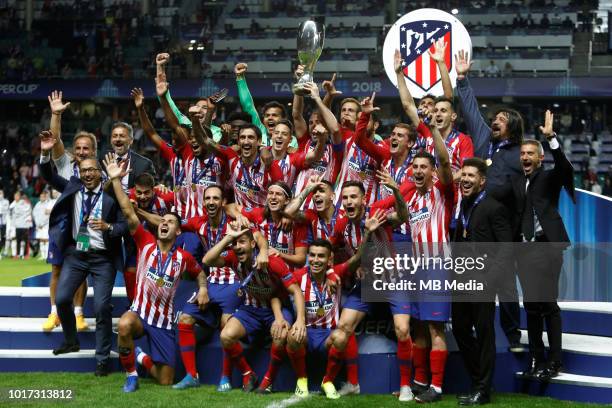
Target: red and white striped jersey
250 183
429 220
209 238
357 165
459 146
262 285
291 165
154 300
179 172
328 167
331 301
319 229
282 241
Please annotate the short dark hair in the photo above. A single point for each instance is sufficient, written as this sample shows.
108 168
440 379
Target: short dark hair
423 154
251 126
516 127
445 99
145 179
126 126
287 123
428 96
412 132
478 163
175 215
354 183
243 116
275 104
214 186
327 183
318 242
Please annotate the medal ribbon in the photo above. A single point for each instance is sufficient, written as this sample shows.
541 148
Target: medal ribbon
494 148
465 218
220 229
209 163
318 292
85 212
160 269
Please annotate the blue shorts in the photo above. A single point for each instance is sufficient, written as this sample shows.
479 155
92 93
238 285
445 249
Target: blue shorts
223 299
258 320
130 261
190 242
399 303
399 237
353 301
432 305
55 256
162 344
317 339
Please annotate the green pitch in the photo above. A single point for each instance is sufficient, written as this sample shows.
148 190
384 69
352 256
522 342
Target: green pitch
12 271
90 391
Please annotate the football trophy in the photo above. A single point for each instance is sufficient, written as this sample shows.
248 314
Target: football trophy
311 36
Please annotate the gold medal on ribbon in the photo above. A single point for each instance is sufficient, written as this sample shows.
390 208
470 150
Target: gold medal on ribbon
239 292
362 175
489 162
464 233
193 188
176 189
320 312
159 282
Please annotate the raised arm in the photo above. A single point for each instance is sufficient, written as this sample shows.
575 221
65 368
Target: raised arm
407 101
153 219
330 91
439 57
47 142
246 100
297 108
114 172
317 153
57 108
328 118
445 172
292 210
379 153
400 216
147 126
476 125
563 168
213 256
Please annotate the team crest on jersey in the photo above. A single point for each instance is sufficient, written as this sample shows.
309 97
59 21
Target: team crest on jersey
414 34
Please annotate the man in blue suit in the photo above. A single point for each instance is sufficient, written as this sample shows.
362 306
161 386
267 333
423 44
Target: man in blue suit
87 226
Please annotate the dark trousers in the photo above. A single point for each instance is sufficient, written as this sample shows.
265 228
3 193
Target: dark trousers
77 265
509 309
540 267
478 352
2 235
22 235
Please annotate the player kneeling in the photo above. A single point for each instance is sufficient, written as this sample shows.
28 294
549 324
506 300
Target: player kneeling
160 266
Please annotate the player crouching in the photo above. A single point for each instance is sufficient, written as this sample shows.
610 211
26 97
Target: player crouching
160 266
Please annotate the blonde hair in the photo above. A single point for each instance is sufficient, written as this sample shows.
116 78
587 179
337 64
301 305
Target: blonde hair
81 134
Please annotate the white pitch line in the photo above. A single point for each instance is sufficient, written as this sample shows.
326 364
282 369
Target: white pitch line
288 402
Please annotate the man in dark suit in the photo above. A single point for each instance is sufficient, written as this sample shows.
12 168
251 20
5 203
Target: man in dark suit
544 238
122 137
86 225
482 220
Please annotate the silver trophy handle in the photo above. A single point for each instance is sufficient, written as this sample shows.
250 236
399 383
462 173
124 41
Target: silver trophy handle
310 39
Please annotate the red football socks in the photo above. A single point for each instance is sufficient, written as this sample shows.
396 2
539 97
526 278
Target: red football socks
437 361
334 363
277 354
235 354
419 360
298 361
128 361
404 359
227 366
186 340
351 354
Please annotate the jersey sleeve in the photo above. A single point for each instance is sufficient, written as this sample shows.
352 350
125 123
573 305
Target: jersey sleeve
230 259
377 152
300 235
254 215
142 237
337 237
275 172
298 274
279 268
166 152
303 141
298 160
466 148
191 266
193 224
342 270
168 198
226 153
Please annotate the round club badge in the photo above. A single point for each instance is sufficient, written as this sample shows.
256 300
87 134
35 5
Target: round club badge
414 34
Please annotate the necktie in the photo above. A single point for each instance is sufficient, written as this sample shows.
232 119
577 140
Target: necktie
87 206
527 226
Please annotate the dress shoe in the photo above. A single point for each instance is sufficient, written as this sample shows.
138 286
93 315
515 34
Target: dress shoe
461 397
67 348
550 370
477 398
535 365
516 347
102 369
